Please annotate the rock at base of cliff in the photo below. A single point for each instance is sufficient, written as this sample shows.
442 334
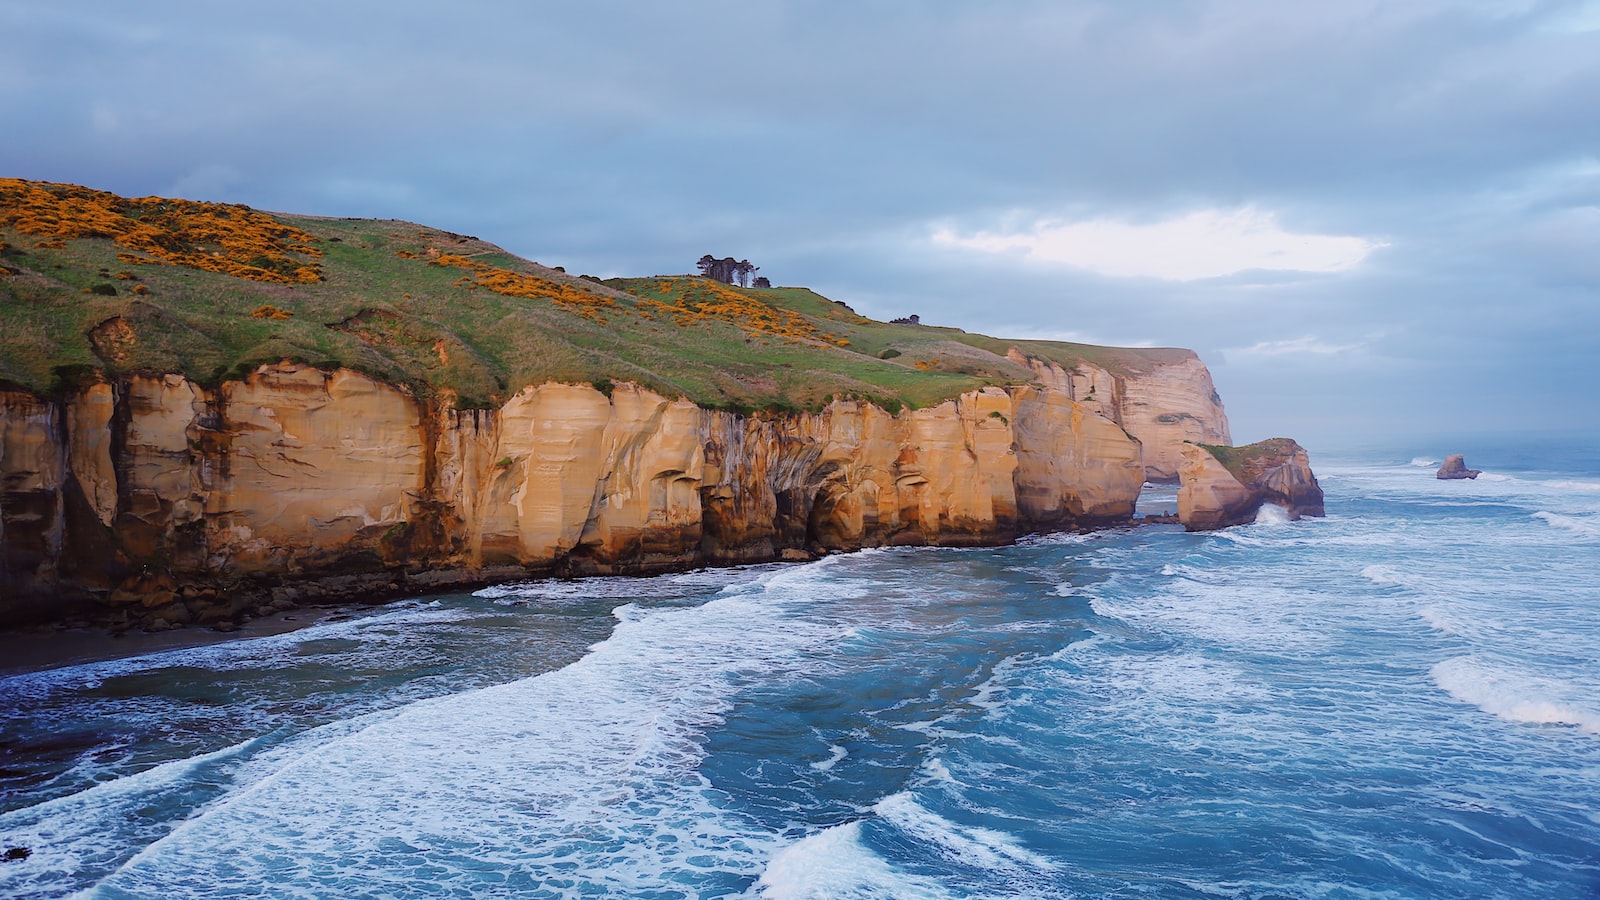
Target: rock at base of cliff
1455 468
1224 486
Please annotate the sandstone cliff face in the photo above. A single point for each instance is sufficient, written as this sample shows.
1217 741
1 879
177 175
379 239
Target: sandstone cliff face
1072 464
1213 494
32 518
1168 406
1162 406
157 497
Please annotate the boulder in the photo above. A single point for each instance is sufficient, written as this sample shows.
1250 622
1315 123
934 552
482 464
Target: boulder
1455 467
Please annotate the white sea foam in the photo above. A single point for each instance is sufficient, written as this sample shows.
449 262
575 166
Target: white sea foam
1385 575
1516 696
836 754
277 650
555 590
1441 619
1055 538
1423 462
934 769
969 845
67 834
1574 485
991 693
834 863
1272 514
1577 526
584 779
1077 647
1243 614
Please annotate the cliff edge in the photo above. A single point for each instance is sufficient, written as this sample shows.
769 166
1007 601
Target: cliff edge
206 409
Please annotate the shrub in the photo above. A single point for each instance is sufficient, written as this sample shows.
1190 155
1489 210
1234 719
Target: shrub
231 240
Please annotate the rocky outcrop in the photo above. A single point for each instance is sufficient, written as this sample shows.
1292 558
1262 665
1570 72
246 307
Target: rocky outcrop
1169 399
1455 468
158 498
1166 407
1224 486
1073 466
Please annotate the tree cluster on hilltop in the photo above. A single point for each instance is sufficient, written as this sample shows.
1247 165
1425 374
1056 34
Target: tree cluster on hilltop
730 271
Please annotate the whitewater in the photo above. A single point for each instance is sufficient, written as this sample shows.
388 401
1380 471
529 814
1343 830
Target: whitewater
1400 700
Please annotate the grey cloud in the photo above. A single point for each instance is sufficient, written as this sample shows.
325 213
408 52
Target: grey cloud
826 141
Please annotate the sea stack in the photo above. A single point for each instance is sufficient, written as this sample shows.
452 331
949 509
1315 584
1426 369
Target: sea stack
1455 467
1224 486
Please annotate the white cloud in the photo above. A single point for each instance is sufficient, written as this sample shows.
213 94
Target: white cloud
1577 18
1025 332
1205 244
1295 347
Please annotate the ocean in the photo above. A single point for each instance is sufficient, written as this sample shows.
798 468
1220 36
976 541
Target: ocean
1400 700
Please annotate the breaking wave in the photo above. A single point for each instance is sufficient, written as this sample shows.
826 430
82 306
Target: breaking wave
1513 695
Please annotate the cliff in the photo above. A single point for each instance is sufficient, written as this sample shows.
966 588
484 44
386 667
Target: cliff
205 408
1224 486
1164 401
155 497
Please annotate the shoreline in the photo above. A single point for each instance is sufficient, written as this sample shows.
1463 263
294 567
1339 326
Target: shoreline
38 647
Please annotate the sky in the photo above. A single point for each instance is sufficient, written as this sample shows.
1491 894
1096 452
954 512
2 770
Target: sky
1368 218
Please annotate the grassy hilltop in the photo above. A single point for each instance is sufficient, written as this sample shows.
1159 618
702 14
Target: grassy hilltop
92 282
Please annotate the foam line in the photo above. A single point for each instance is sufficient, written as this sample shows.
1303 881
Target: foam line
590 770
834 863
1513 695
969 845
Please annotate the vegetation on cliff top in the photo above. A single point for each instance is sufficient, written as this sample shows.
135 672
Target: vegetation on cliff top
92 282
1248 462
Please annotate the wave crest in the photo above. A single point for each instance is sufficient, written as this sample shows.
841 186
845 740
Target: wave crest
1385 575
1513 696
1577 526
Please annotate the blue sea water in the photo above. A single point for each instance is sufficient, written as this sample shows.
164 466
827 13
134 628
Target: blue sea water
1400 700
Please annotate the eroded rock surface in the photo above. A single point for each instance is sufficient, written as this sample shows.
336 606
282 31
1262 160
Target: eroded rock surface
157 499
1224 486
1455 468
1162 404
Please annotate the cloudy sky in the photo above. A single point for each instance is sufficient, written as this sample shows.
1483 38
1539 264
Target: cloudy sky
1365 216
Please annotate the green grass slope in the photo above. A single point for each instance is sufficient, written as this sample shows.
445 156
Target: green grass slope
91 282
